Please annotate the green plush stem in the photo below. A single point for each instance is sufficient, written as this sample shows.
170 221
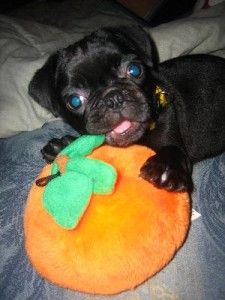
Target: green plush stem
66 200
66 197
102 174
81 147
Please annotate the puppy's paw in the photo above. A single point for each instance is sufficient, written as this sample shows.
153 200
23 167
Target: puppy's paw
166 173
54 146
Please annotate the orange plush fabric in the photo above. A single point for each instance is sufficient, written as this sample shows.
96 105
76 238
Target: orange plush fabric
121 240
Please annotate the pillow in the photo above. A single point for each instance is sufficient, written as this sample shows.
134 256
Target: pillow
203 4
202 32
24 48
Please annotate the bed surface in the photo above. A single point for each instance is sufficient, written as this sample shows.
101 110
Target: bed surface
27 38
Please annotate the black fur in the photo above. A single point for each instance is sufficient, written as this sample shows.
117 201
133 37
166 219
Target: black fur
190 128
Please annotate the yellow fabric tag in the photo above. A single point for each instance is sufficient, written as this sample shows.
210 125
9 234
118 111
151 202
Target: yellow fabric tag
163 101
162 96
152 125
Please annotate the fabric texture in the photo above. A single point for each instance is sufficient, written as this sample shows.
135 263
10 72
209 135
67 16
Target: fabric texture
202 32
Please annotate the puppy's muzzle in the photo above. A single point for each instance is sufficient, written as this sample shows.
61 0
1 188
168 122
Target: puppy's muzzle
114 99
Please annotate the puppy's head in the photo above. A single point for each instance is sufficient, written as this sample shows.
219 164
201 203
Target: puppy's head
101 84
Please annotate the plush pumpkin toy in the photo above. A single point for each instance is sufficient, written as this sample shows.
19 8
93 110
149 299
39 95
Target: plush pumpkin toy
92 224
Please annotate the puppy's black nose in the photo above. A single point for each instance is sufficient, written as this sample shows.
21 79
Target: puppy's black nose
114 99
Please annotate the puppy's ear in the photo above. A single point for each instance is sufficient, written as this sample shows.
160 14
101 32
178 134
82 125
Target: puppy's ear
141 42
42 87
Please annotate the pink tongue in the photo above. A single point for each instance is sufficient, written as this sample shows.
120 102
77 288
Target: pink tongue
122 127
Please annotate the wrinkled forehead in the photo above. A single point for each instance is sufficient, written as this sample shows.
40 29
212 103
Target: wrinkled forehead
96 64
100 45
95 51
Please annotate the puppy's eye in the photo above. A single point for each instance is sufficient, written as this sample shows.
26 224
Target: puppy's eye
75 102
134 70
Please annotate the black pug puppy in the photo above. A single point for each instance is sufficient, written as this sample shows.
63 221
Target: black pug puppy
108 83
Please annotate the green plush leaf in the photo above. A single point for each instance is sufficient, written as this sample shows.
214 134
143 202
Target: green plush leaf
102 174
66 198
81 147
84 145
